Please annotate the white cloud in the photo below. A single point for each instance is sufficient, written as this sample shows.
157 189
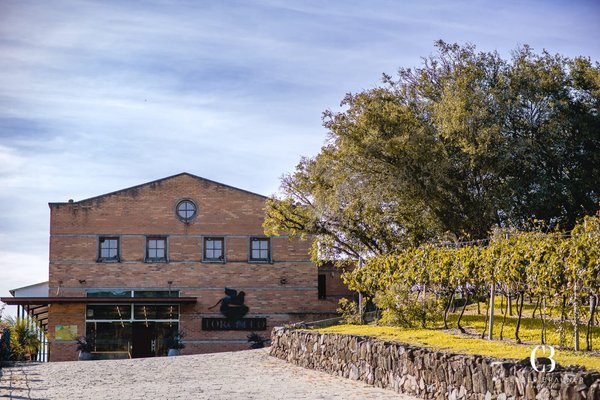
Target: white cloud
10 163
20 269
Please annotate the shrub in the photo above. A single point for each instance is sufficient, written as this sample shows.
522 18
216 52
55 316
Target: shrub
257 341
408 308
349 311
85 344
174 341
24 341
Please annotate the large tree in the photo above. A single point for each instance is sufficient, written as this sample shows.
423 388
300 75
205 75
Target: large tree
466 142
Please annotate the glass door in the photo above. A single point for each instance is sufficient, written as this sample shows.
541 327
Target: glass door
143 339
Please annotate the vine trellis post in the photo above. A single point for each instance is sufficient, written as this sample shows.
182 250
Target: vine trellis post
575 315
492 298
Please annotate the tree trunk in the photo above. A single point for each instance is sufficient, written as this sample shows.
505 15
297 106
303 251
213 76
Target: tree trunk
537 304
588 333
503 321
447 309
520 311
491 305
487 316
509 300
563 317
542 316
461 314
423 301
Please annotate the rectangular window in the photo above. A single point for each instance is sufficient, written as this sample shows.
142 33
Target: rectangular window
109 249
259 249
156 249
322 286
156 293
108 311
108 293
111 339
155 311
214 249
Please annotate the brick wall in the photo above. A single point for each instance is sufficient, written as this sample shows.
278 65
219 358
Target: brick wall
65 314
283 290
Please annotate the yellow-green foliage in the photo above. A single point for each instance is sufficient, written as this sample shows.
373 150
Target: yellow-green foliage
403 308
23 339
561 271
349 311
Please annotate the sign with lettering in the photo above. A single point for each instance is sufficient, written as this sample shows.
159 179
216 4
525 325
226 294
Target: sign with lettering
241 324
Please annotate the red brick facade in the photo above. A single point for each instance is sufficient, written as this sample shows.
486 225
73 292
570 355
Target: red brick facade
282 290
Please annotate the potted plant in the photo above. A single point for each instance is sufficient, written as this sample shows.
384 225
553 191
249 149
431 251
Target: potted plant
85 345
24 343
174 343
256 341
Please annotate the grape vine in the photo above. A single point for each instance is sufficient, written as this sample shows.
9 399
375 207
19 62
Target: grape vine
560 271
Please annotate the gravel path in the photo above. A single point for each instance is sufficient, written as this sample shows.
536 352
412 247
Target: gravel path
251 374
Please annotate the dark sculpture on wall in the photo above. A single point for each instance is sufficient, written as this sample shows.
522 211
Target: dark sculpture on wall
232 305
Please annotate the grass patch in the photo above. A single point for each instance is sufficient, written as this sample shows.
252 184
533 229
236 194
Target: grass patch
531 328
447 341
452 340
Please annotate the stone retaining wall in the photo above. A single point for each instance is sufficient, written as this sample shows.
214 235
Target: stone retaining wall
430 374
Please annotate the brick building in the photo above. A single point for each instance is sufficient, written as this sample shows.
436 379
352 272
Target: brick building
135 266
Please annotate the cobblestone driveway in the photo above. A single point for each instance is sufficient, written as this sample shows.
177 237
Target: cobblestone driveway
251 374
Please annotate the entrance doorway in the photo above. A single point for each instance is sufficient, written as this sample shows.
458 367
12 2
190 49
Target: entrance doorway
147 338
143 340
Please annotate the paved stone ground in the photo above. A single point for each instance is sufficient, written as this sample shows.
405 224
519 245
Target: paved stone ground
251 374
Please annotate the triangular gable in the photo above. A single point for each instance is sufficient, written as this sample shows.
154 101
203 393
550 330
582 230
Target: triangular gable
159 181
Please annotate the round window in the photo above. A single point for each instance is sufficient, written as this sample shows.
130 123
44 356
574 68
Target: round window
186 210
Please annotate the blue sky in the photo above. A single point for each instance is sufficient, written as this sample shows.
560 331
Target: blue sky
99 96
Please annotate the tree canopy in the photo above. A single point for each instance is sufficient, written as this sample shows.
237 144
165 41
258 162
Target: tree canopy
464 143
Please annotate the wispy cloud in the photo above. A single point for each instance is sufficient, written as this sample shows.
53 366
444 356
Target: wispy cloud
100 95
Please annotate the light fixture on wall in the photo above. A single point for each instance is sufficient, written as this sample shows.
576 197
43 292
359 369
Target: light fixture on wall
283 281
82 281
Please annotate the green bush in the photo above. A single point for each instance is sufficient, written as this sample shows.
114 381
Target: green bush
349 311
24 343
405 307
